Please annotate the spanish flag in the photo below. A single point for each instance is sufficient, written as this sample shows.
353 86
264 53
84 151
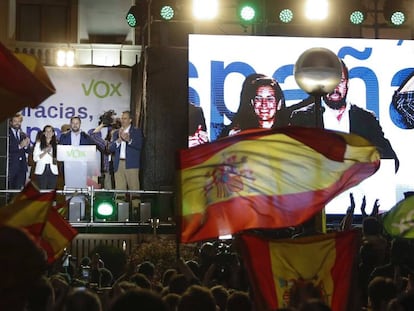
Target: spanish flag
23 82
284 271
267 179
56 235
28 210
33 211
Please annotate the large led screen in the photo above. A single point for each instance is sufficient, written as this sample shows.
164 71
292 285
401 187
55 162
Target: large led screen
379 82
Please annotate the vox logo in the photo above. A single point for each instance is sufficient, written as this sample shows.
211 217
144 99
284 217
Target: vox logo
101 89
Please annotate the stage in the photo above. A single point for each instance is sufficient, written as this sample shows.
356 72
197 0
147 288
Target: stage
150 227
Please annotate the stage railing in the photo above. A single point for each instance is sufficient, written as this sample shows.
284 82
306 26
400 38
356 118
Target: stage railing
91 193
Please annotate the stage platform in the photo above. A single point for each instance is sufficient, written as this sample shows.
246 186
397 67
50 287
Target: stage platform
124 227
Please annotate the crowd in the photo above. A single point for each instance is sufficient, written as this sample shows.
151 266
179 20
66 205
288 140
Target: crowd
214 279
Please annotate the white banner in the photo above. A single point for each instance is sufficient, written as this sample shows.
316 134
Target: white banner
218 66
83 92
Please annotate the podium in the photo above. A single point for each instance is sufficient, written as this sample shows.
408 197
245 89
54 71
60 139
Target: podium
80 164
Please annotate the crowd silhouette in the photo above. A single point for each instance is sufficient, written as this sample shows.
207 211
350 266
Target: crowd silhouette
215 279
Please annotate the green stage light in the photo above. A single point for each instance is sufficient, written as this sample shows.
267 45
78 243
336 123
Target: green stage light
397 18
137 14
357 17
104 207
394 12
131 18
247 12
167 12
286 16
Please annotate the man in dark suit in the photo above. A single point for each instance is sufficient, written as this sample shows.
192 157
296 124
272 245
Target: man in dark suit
126 146
338 114
75 136
19 147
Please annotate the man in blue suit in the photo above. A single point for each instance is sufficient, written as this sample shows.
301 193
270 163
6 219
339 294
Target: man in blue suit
75 136
126 146
19 147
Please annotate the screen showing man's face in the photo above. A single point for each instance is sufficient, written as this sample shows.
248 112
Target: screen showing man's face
337 98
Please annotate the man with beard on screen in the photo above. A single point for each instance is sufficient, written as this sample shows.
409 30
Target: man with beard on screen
340 115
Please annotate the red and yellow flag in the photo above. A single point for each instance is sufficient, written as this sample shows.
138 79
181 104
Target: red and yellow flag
280 271
267 179
23 82
33 211
28 210
56 235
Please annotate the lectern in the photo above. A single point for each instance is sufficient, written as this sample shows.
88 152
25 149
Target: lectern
80 164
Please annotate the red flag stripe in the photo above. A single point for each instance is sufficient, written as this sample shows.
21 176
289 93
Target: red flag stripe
256 253
64 228
264 296
330 144
254 212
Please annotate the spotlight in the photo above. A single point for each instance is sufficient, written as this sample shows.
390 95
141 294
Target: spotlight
65 58
247 11
316 10
286 16
137 14
353 11
205 10
281 11
357 17
104 207
167 12
394 12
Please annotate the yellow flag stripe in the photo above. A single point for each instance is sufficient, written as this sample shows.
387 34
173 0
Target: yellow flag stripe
274 164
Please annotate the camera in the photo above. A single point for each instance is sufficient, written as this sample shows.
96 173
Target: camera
107 119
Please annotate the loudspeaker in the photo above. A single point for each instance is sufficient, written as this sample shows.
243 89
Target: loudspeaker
75 211
123 211
144 211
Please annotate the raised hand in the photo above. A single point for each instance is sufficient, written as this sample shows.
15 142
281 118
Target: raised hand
363 206
375 209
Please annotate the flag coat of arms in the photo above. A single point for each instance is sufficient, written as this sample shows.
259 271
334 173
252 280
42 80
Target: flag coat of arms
267 179
279 269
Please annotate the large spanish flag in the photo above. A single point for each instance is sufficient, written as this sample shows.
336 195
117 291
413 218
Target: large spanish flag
23 82
322 265
267 179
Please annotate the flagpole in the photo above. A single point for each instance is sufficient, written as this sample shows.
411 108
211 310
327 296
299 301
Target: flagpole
318 71
320 217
